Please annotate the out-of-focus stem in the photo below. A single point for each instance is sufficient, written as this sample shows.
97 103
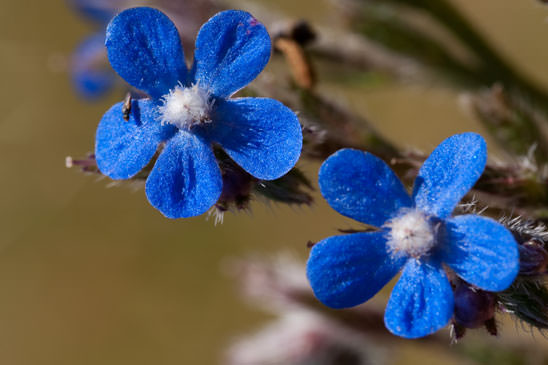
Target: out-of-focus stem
494 66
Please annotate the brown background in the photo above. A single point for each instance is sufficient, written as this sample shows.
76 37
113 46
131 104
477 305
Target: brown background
95 275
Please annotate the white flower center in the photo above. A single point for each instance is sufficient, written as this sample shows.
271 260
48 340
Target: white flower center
411 233
185 107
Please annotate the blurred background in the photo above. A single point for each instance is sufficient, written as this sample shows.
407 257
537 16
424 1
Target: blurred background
92 274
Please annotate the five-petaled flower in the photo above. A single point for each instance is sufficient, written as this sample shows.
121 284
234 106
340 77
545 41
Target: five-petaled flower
190 110
415 233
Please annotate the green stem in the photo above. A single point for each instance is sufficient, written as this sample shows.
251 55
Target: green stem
494 65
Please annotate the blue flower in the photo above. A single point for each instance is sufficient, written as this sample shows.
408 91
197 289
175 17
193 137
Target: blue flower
415 233
97 11
91 75
189 110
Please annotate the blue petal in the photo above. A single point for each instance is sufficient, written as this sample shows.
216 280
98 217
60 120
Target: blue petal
345 271
123 148
97 11
421 302
481 251
186 180
361 186
262 135
449 172
91 75
144 48
232 48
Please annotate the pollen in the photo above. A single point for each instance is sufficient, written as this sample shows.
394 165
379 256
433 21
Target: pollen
411 233
185 107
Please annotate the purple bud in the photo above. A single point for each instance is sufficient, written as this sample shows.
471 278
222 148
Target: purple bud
237 186
533 258
473 307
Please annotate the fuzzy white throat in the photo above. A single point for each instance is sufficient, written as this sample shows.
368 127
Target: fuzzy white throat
411 233
185 107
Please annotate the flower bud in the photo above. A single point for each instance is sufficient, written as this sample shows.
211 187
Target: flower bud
473 307
237 186
533 258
